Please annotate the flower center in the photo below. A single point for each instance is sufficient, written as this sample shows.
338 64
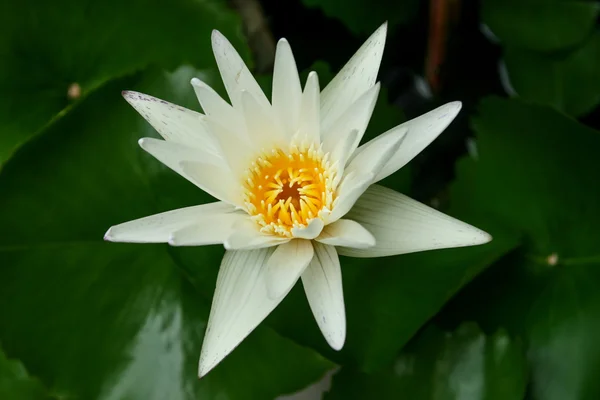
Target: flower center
285 190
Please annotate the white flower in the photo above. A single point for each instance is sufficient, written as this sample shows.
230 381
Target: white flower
295 189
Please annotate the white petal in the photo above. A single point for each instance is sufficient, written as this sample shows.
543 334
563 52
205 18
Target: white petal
219 182
287 91
376 153
213 229
234 72
314 228
239 304
403 225
322 282
246 235
351 188
235 147
216 107
286 265
172 153
263 128
157 228
345 232
309 116
361 171
421 132
355 78
356 118
173 122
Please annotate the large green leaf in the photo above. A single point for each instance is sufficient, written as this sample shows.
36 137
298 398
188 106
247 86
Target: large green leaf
463 365
541 25
537 173
16 384
45 47
568 82
113 321
364 16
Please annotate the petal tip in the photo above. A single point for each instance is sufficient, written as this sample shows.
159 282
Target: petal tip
108 235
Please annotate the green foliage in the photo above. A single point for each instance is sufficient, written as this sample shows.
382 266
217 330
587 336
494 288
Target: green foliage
47 46
15 382
463 365
540 25
537 174
568 82
552 50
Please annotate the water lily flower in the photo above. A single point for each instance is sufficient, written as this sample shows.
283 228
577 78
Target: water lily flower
295 189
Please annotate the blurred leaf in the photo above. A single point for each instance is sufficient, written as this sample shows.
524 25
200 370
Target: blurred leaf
15 382
106 320
46 47
537 173
464 365
569 83
362 17
540 25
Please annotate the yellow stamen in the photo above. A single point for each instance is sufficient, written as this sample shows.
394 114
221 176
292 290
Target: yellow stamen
283 190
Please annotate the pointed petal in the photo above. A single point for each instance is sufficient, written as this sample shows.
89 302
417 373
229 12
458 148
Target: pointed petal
287 91
173 122
314 228
352 187
219 182
216 107
213 229
322 282
355 118
263 129
286 265
309 116
376 153
157 228
246 236
234 72
421 132
403 225
235 147
172 153
355 78
239 304
361 171
345 232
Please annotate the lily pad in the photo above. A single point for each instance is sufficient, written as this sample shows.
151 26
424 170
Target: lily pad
568 82
56 53
463 365
536 174
540 25
16 384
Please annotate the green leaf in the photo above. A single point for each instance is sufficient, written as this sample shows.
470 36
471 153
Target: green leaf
46 47
540 25
352 12
537 173
569 83
463 365
15 382
96 320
